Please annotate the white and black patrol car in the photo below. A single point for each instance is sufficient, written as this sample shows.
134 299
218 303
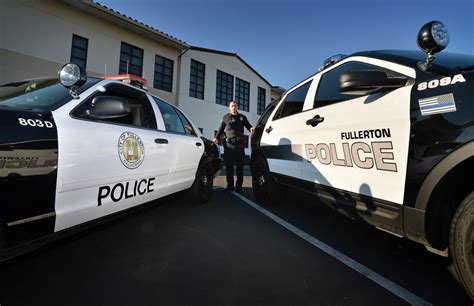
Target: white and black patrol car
75 149
382 136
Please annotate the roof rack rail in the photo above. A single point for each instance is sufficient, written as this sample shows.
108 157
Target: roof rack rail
332 60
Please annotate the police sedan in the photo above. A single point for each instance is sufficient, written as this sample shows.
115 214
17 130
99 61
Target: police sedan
386 137
74 150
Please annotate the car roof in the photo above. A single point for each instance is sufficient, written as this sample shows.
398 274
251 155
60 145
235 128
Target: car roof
412 57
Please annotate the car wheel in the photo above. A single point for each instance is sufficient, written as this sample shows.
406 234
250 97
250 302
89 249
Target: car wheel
3 234
461 243
263 184
201 190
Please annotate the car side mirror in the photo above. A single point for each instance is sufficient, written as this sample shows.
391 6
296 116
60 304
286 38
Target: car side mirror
107 107
368 82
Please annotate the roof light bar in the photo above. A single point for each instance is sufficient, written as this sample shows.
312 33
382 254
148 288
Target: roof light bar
131 79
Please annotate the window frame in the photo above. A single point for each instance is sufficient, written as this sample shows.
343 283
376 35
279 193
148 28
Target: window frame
277 114
76 37
133 92
132 56
390 72
159 76
229 90
177 111
194 79
242 94
261 100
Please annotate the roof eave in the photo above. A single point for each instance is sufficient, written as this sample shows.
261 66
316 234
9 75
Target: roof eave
105 13
231 54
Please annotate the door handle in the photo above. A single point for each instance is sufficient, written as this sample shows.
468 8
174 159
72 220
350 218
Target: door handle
269 129
315 120
161 140
198 144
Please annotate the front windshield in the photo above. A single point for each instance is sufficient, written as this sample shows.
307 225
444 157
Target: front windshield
43 94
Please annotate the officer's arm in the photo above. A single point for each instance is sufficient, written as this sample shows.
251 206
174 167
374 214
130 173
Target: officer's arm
219 132
249 126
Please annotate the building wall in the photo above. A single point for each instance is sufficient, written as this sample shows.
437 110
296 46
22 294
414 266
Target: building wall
36 40
206 114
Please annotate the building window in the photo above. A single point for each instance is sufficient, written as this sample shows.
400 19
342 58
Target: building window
79 50
261 100
242 94
196 83
224 88
131 59
163 73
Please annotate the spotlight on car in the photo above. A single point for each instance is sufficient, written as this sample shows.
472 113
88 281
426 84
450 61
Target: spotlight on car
72 76
432 38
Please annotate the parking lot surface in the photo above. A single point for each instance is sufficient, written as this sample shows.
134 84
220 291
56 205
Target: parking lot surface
226 253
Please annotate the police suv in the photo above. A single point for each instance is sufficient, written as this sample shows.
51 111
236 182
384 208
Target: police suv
75 149
382 136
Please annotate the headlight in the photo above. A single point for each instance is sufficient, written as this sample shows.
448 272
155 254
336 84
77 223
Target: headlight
433 37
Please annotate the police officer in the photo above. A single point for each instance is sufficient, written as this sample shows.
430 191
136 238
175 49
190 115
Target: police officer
233 125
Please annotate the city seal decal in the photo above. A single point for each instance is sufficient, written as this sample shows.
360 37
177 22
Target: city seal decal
131 150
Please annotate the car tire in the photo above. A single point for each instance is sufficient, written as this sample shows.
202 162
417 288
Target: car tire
263 184
461 243
201 190
3 234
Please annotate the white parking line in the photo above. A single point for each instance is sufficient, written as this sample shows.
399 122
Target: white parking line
375 277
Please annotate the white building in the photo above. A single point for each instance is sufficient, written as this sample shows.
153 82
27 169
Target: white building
209 79
38 37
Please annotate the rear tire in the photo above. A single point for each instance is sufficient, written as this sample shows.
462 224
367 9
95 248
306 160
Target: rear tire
201 190
263 184
461 243
3 234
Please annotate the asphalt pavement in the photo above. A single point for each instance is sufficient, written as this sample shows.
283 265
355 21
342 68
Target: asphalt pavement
226 252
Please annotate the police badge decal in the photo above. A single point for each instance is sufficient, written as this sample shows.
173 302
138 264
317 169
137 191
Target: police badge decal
131 150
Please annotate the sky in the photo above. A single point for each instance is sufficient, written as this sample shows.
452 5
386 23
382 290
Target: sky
287 40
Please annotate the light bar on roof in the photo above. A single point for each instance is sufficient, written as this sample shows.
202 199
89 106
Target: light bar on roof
131 79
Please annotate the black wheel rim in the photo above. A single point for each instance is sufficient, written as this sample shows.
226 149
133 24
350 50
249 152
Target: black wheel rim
260 182
205 183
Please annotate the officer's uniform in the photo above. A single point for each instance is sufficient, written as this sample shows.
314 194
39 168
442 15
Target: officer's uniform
233 127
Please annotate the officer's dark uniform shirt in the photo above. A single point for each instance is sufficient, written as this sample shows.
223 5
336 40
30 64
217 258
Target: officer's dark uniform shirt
233 126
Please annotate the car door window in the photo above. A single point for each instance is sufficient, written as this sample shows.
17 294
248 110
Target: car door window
141 112
266 113
293 102
328 87
188 128
173 122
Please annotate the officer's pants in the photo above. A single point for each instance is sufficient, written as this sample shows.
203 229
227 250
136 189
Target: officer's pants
233 154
